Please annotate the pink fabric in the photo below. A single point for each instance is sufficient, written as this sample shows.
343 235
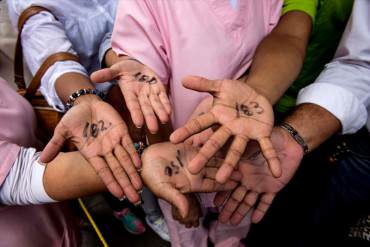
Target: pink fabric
205 38
41 225
221 235
17 127
37 226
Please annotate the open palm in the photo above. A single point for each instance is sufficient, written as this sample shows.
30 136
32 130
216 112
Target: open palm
242 113
101 135
257 180
144 93
166 175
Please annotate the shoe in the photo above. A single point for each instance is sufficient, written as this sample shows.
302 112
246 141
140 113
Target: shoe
130 222
159 226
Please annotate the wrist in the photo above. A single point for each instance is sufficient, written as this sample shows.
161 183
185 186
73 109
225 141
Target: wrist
88 98
293 138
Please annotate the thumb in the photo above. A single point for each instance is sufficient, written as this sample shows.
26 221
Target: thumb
53 147
104 75
177 199
201 84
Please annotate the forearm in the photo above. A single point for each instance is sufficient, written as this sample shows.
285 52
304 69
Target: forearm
314 124
69 83
279 57
70 176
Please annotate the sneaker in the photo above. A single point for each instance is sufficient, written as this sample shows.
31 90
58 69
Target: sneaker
130 222
159 226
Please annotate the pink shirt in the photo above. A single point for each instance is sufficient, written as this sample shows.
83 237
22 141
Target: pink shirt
17 127
181 37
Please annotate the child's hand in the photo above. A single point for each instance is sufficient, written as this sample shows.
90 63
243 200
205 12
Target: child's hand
165 174
194 215
144 93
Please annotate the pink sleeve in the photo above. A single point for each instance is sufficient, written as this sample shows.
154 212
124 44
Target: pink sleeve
8 154
137 34
275 10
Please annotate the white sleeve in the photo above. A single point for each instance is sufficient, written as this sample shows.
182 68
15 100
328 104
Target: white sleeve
343 88
43 36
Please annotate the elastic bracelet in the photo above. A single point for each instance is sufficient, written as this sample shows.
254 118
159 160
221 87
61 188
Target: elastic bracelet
140 146
72 98
296 136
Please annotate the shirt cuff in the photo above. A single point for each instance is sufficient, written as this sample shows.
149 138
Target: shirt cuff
307 6
104 47
341 103
47 87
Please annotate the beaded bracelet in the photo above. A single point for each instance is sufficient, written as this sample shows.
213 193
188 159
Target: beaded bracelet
72 98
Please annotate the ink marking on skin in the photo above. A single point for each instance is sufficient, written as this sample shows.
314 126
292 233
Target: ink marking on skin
153 81
94 130
256 106
85 134
178 158
168 171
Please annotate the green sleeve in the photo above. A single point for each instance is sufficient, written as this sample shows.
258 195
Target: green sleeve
307 6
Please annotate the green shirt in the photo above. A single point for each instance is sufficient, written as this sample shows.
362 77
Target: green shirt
330 22
307 6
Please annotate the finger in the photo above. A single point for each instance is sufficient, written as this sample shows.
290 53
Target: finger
121 177
270 155
202 84
166 102
234 153
125 161
105 75
146 107
210 185
211 172
128 145
158 108
102 169
192 127
175 198
55 145
217 140
221 198
133 106
248 202
232 203
263 205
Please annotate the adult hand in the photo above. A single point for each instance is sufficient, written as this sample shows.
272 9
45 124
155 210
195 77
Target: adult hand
165 174
257 181
144 93
195 213
101 136
242 113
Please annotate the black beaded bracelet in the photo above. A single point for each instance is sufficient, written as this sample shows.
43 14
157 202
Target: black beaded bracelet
72 98
296 136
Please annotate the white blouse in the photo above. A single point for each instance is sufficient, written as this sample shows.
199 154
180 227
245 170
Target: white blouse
82 27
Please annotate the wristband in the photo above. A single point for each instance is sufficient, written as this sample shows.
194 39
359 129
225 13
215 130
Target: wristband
72 98
296 136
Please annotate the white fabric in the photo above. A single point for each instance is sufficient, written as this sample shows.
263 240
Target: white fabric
82 28
343 88
24 183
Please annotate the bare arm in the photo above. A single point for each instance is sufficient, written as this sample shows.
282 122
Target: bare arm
279 57
70 176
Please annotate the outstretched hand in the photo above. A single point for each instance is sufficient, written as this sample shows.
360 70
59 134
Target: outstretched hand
242 113
101 136
257 181
166 175
144 93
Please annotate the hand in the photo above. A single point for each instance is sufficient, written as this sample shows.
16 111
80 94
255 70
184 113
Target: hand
165 174
195 213
257 180
198 140
101 136
144 93
242 113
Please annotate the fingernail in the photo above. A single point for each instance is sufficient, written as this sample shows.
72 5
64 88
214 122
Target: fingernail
139 170
122 198
140 192
137 204
139 127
